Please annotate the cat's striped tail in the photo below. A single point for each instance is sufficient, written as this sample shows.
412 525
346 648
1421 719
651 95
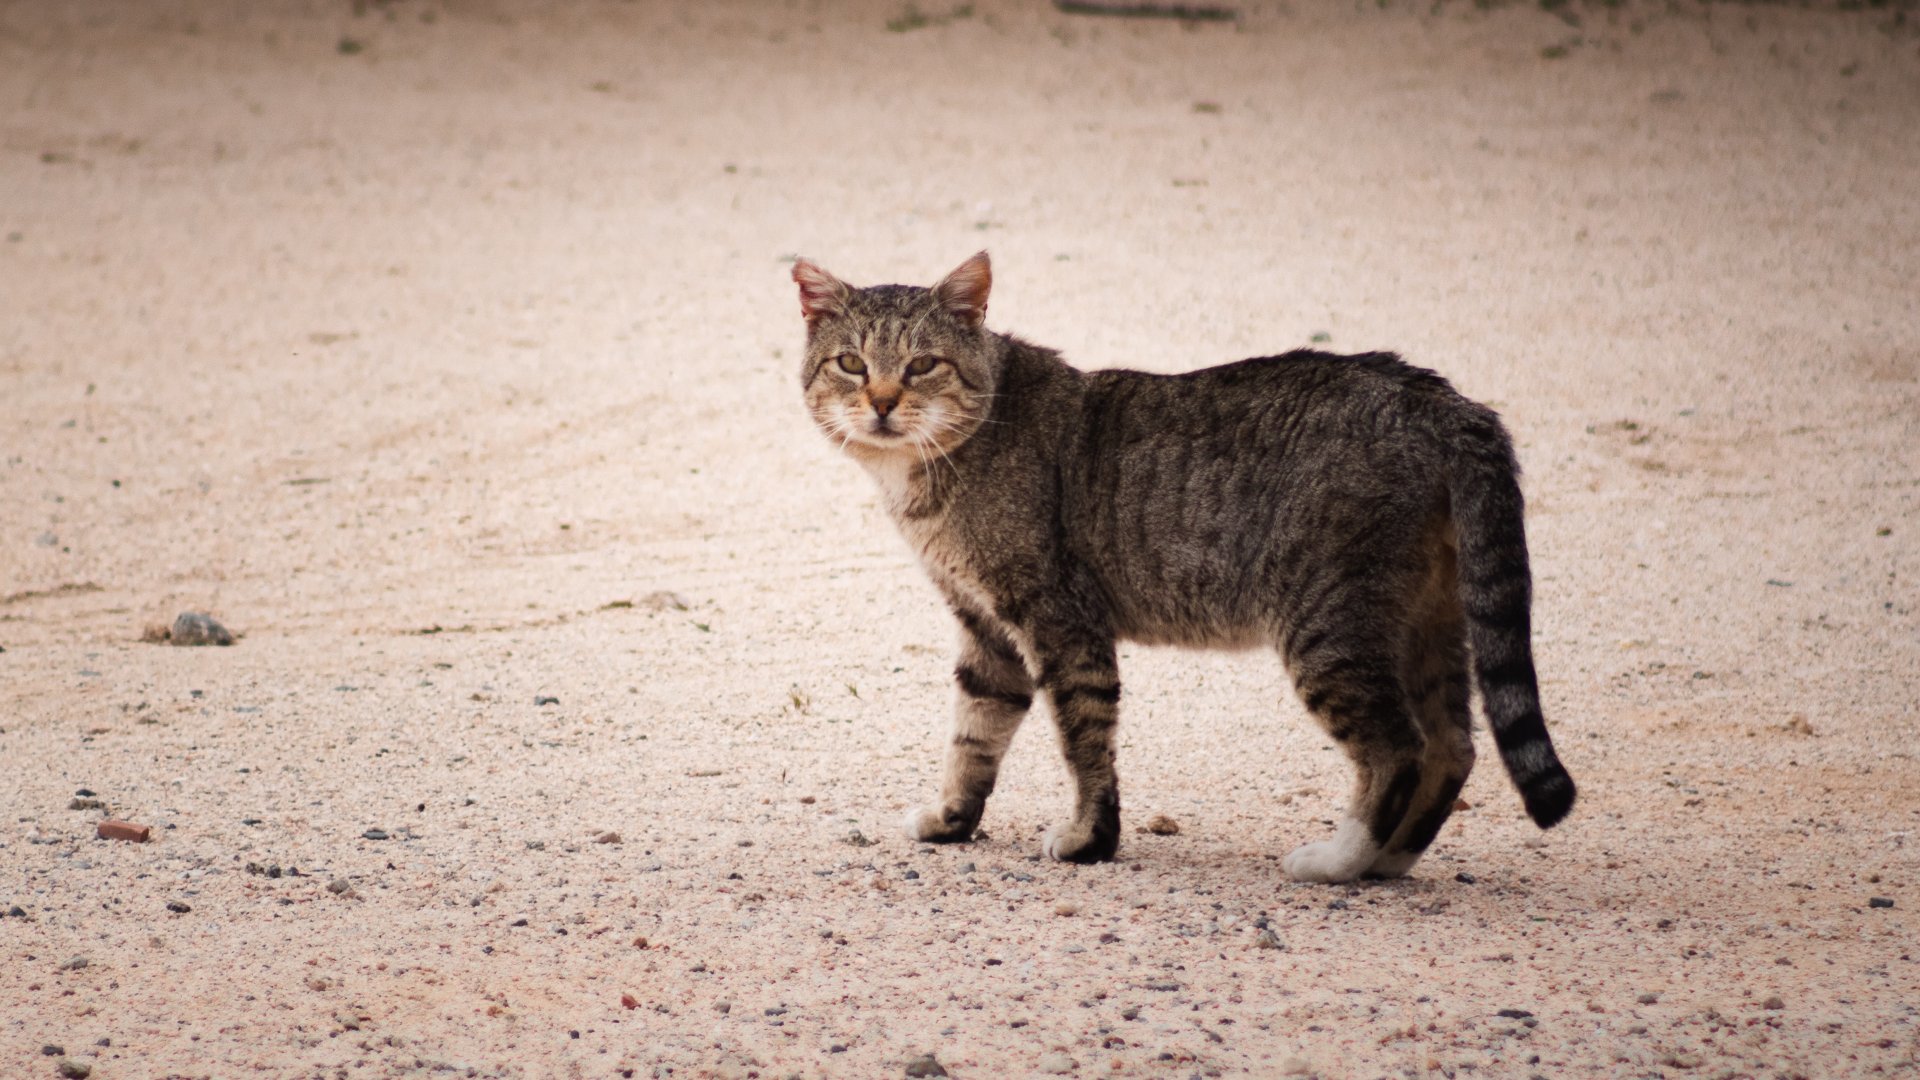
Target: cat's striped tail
1496 591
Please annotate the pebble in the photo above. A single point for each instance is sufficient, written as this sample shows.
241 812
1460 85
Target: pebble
1648 999
78 803
1880 902
663 600
1465 878
374 834
177 907
1057 1063
338 886
1162 825
1268 940
195 628
74 1070
16 912
86 793
52 1050
723 1007
607 838
924 1065
859 839
123 830
74 963
1065 908
540 700
1774 1001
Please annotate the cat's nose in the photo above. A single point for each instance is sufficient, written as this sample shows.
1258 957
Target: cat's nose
883 403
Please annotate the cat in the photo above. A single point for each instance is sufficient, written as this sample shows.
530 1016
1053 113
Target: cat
1355 513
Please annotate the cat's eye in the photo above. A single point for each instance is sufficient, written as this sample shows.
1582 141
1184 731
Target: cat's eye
923 364
853 365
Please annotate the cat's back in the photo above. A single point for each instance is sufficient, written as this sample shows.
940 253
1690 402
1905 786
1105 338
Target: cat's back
1303 387
1194 489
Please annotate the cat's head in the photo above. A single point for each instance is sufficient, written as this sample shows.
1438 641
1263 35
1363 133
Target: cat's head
896 369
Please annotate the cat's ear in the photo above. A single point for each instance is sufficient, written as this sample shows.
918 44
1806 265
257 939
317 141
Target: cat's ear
821 293
964 292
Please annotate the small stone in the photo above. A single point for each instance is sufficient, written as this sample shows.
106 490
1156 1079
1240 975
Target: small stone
1514 1014
51 1050
723 1007
1131 1012
123 830
1648 999
924 1065
1066 908
74 1070
1057 1063
374 834
1774 1002
1880 902
911 875
859 839
608 837
1465 878
339 886
195 628
1268 940
541 700
86 793
16 912
74 963
177 907
965 868
1462 804
1162 825
1684 1059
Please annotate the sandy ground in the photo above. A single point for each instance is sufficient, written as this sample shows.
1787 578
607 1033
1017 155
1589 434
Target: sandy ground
427 346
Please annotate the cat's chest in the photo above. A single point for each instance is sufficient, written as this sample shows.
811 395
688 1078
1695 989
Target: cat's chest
930 527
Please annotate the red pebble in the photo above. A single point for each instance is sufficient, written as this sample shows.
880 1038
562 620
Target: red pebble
124 830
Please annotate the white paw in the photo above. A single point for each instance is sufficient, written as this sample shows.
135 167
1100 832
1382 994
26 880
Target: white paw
1062 842
1343 858
923 823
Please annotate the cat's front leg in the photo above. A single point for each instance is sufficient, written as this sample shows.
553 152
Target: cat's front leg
1082 680
992 695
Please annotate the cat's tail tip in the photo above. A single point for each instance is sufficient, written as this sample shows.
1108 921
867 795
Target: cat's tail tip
1549 795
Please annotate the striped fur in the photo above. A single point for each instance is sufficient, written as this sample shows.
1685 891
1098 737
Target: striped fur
1354 513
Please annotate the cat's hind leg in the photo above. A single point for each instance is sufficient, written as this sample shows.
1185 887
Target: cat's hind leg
1438 688
1350 683
993 693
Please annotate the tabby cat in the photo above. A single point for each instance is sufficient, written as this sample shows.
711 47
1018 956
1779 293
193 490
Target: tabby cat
1353 512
